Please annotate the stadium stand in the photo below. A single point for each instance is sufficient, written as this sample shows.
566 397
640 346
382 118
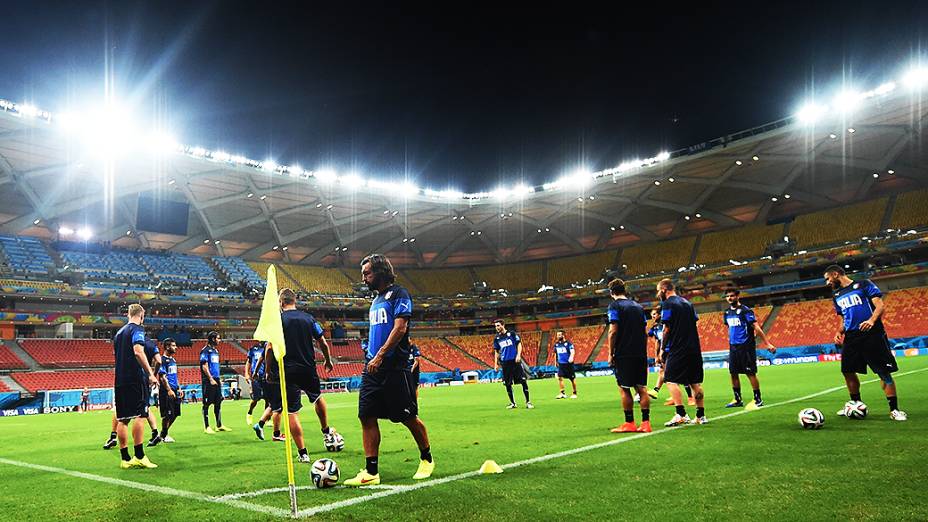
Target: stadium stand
653 257
117 266
426 365
910 210
320 280
747 242
25 256
38 285
179 268
904 316
846 223
346 349
481 346
805 323
584 339
9 360
191 354
340 370
4 387
713 332
441 281
69 353
283 280
71 380
566 270
445 355
516 276
237 271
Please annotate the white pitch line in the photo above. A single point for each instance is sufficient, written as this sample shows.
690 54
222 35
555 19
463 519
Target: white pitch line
258 493
268 510
308 512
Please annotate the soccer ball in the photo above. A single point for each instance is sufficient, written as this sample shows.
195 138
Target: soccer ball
334 443
855 410
811 419
324 473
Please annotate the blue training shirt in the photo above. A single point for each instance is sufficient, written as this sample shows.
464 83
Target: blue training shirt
256 352
679 316
128 369
740 321
631 321
563 351
394 302
854 302
413 353
169 370
210 356
506 345
657 331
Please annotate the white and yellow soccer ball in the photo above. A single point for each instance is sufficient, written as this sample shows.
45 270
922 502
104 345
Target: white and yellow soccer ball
811 419
334 443
324 473
855 410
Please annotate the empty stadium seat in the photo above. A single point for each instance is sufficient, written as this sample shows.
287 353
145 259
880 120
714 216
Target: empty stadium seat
9 360
845 223
745 242
283 280
805 323
69 380
646 258
584 339
445 355
512 277
910 210
236 270
904 315
315 279
578 269
440 281
69 353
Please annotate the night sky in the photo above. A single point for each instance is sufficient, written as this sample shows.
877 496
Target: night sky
464 96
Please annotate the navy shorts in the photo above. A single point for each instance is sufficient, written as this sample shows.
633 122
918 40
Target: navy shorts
170 408
388 394
211 394
513 373
257 390
683 368
863 349
297 383
566 371
742 359
131 400
630 372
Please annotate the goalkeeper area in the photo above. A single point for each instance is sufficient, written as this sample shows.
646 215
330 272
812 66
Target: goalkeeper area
559 460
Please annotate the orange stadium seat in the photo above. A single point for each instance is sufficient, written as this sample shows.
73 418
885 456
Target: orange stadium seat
346 349
72 380
904 315
426 365
69 353
805 323
9 360
191 354
445 355
4 387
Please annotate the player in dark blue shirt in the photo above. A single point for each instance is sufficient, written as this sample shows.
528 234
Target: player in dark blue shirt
385 384
211 382
507 347
154 359
564 353
683 362
628 355
414 355
169 395
254 376
860 304
742 355
302 333
134 376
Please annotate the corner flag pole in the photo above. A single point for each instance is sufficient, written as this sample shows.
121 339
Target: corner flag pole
270 328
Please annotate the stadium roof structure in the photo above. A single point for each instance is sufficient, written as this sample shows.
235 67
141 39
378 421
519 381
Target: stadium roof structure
50 179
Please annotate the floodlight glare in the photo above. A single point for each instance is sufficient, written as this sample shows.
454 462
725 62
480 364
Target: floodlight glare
847 101
65 231
85 233
811 113
325 175
916 78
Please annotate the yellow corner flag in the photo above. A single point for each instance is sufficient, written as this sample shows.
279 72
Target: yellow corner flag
271 329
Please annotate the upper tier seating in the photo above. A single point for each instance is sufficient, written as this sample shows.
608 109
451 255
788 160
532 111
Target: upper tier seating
9 360
440 281
646 258
314 279
70 353
747 242
512 277
578 269
25 256
910 210
845 223
236 270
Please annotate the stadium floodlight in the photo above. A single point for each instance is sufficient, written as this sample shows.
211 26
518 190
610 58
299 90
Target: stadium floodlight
352 181
663 156
285 248
269 166
221 156
85 233
239 159
275 247
786 196
325 175
65 231
890 172
250 195
811 112
28 110
162 143
847 101
698 215
885 88
295 171
916 78
199 152
612 229
36 222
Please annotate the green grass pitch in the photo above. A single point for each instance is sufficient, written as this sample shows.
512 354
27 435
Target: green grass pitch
759 464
